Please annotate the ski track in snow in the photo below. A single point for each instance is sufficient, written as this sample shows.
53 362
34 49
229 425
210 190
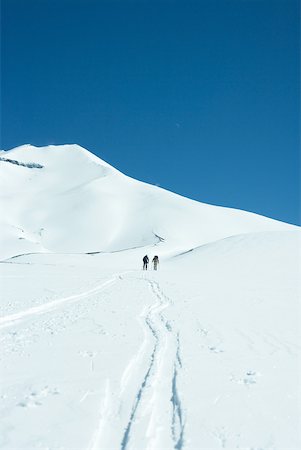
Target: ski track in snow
177 422
154 408
54 305
155 418
104 410
162 369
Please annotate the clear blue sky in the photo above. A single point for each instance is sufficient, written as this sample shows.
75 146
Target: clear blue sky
201 97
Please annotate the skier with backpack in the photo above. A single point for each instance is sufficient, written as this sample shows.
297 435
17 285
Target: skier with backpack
145 262
155 262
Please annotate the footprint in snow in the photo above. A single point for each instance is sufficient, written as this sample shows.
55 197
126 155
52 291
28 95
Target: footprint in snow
29 404
34 398
250 378
215 350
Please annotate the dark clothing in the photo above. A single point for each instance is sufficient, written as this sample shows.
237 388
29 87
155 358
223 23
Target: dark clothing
145 262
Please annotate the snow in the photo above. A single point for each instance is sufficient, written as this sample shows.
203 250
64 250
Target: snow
79 203
97 354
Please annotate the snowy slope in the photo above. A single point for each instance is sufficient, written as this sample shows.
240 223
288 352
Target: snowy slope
203 354
65 199
97 354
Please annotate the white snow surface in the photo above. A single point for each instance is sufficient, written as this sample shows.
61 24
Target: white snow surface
97 354
78 203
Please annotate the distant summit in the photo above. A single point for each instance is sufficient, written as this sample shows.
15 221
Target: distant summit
78 203
66 152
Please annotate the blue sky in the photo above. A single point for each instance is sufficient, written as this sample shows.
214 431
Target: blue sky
200 97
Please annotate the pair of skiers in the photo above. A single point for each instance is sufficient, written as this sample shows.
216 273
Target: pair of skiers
155 262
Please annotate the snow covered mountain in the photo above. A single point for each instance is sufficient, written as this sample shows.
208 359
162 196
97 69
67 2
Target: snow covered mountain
64 199
97 354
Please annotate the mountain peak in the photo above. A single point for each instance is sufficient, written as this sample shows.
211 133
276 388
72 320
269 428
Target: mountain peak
77 202
28 153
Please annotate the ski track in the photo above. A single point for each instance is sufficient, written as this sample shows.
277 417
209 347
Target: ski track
153 408
104 411
164 359
177 416
53 305
146 414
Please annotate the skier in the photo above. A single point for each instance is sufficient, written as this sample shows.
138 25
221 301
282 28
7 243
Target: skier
155 262
145 262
